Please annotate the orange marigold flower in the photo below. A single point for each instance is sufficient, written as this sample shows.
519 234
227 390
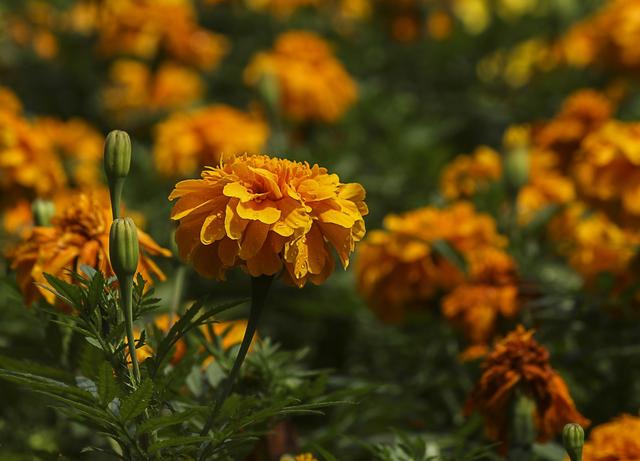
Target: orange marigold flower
617 440
607 168
463 177
519 363
398 268
79 235
313 83
133 90
264 213
9 102
592 242
185 142
18 219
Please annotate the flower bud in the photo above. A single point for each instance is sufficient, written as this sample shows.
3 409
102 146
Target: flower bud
43 211
573 441
117 162
123 247
523 429
117 155
516 167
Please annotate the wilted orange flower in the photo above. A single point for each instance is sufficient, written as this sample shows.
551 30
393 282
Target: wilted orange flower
145 27
592 242
466 174
231 333
264 213
617 440
519 364
398 269
607 168
79 144
27 161
79 235
186 142
133 90
489 294
313 84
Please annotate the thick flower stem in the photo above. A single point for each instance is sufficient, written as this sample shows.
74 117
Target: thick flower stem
126 298
259 290
523 432
116 197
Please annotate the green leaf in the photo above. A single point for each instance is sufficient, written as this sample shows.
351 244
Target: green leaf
161 422
452 255
107 387
134 404
177 441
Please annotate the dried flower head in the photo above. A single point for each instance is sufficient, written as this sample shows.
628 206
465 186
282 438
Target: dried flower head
264 214
79 235
519 364
188 141
313 84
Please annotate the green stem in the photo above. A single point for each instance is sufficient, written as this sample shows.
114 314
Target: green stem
178 288
116 196
126 298
259 289
522 430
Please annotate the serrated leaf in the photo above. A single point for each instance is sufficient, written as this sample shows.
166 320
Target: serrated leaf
107 387
134 404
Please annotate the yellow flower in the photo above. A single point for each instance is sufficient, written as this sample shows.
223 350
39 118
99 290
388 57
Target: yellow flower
188 141
300 457
617 440
264 213
543 190
592 242
518 362
79 144
466 174
79 235
133 90
398 269
607 168
313 84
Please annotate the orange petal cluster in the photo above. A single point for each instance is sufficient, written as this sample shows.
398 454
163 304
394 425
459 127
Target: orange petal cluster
400 269
313 84
186 142
467 174
519 364
263 214
79 235
617 440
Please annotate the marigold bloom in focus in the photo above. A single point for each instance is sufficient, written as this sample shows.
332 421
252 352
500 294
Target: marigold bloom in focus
313 83
466 174
79 235
519 364
189 141
617 440
399 270
264 213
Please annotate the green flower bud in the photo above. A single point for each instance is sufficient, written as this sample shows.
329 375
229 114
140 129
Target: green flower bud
117 162
516 167
43 211
523 429
573 440
123 247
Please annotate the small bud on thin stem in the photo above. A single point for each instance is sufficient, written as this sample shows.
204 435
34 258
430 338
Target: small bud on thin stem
117 162
573 441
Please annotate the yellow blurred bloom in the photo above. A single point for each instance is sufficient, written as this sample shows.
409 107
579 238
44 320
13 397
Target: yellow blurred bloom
593 243
439 25
79 144
617 440
18 219
607 167
313 84
475 15
143 28
519 363
467 174
79 235
281 8
188 141
9 102
264 213
133 90
398 270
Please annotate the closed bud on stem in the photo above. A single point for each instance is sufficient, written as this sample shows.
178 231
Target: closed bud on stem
43 210
573 440
516 167
123 247
117 162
